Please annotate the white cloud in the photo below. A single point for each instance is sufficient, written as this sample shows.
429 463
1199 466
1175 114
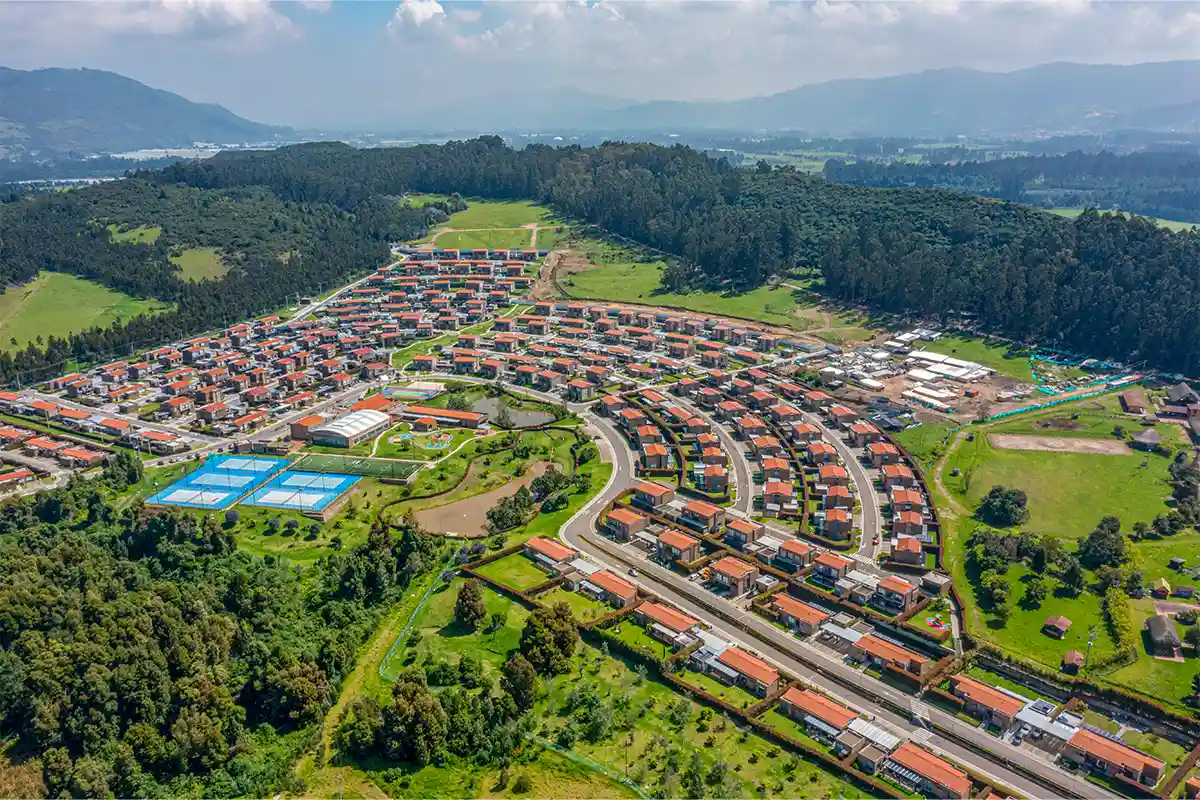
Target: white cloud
416 13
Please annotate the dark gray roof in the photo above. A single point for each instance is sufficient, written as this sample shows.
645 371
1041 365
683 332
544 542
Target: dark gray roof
1148 436
1181 391
1162 630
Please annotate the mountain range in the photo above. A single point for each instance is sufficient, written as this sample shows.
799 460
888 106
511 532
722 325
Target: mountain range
946 102
70 113
48 113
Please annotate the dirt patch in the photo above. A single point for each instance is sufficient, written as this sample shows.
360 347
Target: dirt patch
1060 424
467 518
1058 444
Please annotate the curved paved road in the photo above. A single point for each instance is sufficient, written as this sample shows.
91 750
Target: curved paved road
822 668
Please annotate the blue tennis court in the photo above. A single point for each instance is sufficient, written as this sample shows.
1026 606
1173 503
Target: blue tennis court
219 482
301 491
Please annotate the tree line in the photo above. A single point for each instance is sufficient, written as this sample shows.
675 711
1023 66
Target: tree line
1156 184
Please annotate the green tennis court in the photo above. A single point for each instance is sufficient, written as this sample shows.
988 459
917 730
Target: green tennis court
354 465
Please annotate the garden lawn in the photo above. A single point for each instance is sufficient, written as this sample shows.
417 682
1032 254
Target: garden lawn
494 239
628 631
1068 492
583 608
443 638
1165 750
790 728
482 214
141 234
58 304
995 355
736 696
515 571
199 264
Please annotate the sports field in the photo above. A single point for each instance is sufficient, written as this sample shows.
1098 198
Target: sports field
351 465
56 304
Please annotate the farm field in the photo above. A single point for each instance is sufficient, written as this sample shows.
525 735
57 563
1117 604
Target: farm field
994 355
494 239
140 234
199 264
57 304
622 275
1169 224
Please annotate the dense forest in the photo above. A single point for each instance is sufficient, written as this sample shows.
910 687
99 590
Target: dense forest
142 655
1099 284
1154 184
276 249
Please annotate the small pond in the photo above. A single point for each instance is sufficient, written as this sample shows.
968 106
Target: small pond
521 418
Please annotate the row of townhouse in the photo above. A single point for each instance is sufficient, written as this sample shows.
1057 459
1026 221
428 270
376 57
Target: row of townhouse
127 433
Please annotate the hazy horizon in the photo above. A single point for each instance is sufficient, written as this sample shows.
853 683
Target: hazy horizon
358 63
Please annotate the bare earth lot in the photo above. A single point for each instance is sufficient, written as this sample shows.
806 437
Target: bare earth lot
1058 444
467 518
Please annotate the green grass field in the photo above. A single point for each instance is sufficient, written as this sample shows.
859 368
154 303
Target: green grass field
199 264
1068 492
995 355
623 275
924 442
56 304
515 570
1096 418
142 234
494 239
584 608
444 639
549 238
420 200
1166 223
498 214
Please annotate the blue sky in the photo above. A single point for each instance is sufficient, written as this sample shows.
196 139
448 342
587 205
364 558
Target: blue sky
365 63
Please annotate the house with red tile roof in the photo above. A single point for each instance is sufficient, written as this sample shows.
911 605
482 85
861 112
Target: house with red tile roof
798 614
821 717
734 575
1087 748
652 496
675 545
623 523
884 652
610 588
928 774
986 702
756 675
548 553
702 516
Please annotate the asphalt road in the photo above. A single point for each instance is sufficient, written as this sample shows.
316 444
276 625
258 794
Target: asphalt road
871 517
818 665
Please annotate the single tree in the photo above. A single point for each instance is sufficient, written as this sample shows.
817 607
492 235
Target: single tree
468 608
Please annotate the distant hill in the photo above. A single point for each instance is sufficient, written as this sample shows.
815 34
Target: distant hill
82 111
947 102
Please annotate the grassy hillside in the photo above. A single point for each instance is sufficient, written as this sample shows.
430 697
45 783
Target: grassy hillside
200 264
55 304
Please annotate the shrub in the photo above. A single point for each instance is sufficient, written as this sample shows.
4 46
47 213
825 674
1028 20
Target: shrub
523 784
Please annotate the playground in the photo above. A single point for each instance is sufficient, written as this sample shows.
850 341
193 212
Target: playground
404 443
